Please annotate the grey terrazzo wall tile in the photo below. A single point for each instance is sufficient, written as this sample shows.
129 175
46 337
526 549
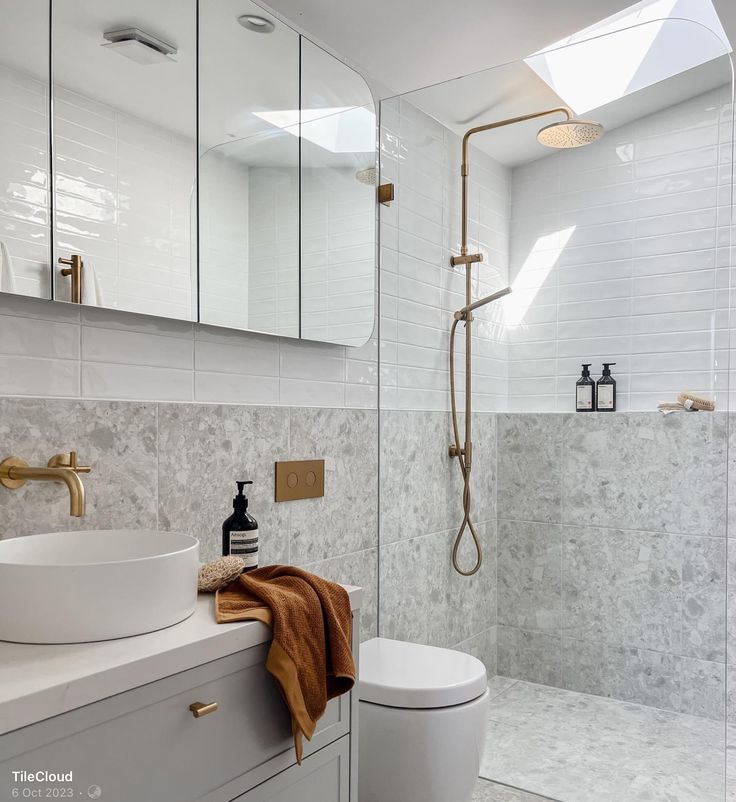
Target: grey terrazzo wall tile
483 646
460 606
704 598
117 439
404 590
418 489
483 478
622 588
203 450
360 568
731 419
530 656
642 571
657 679
423 599
529 466
703 688
625 673
344 520
647 472
731 694
529 575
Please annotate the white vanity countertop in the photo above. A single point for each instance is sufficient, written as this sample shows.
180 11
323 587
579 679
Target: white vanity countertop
40 681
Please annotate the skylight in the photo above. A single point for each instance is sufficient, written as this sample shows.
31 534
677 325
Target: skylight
654 40
339 130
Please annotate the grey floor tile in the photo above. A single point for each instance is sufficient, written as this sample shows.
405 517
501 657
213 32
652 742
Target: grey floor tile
487 791
577 748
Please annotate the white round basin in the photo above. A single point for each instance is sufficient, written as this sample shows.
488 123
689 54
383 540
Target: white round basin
74 587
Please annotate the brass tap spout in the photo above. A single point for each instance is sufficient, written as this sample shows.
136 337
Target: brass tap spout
62 468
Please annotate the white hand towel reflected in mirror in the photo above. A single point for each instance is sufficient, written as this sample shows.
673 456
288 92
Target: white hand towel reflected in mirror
7 275
91 289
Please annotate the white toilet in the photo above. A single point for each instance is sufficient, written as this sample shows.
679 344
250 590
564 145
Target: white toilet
422 722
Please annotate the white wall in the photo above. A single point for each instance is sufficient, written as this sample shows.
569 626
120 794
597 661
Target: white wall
613 258
223 239
419 289
123 191
24 177
273 302
338 253
58 350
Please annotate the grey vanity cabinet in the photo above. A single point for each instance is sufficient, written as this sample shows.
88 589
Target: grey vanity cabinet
323 777
145 745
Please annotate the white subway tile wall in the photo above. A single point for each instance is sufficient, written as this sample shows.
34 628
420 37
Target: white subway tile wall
273 270
612 256
123 201
337 260
620 252
24 180
419 289
223 239
59 350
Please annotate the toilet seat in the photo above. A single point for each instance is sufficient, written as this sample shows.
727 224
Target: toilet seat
409 675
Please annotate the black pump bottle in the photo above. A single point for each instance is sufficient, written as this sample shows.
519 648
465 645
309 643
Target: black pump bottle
585 391
606 390
240 532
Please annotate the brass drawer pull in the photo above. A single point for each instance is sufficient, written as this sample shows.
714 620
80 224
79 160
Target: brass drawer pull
200 709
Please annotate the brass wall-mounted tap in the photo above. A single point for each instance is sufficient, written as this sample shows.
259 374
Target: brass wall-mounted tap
74 271
63 468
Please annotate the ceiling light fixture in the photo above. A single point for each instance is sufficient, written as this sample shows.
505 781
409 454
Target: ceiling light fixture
256 24
139 46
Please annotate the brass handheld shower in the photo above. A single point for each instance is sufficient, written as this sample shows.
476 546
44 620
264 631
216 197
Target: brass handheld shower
568 133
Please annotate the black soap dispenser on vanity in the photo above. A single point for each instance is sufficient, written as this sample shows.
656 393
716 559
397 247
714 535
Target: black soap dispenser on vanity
606 390
585 391
240 531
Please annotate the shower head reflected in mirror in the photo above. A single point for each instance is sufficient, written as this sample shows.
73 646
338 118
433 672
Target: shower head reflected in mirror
570 133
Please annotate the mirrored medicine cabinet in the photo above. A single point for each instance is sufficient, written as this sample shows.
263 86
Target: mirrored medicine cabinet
199 162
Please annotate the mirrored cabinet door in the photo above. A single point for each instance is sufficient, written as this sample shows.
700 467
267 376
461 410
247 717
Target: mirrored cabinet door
338 200
124 142
25 234
248 169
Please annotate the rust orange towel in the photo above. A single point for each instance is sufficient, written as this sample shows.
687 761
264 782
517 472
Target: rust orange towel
310 655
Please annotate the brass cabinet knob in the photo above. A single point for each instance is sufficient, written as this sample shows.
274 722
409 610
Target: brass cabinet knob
200 709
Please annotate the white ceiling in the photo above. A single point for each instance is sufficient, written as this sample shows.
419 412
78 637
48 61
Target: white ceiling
419 43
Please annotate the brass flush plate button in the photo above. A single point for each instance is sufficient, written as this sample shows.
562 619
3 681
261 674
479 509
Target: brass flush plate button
300 479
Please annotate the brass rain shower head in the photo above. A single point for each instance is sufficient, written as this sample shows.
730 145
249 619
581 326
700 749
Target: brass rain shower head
570 133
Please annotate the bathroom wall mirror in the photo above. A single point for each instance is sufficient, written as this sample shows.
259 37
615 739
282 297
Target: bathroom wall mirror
287 196
257 213
25 234
338 192
248 169
124 141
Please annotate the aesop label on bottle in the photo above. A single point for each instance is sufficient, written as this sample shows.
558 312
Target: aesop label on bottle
585 396
605 396
245 545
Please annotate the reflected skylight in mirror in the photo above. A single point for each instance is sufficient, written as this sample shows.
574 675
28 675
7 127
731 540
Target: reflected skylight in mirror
339 130
655 40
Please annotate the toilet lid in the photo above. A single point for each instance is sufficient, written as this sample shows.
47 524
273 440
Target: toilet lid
399 674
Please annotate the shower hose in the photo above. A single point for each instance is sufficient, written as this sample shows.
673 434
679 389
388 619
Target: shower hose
465 471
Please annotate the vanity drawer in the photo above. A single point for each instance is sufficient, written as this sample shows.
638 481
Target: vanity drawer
146 744
323 777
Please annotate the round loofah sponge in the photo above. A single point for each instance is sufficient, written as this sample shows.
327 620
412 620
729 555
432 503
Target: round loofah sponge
218 573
